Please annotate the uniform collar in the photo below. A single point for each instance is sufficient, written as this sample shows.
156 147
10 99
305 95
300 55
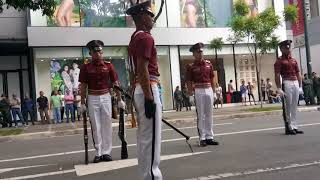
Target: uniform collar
289 57
199 62
98 62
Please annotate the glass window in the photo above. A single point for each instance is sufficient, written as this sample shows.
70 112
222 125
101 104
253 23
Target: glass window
192 13
103 13
165 77
218 12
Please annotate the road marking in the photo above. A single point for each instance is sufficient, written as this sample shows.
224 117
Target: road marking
256 171
82 170
25 167
163 141
190 127
41 175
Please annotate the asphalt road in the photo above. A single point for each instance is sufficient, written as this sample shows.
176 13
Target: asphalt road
251 149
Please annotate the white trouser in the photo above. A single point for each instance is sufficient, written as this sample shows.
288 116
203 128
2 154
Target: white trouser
148 136
204 102
101 123
291 89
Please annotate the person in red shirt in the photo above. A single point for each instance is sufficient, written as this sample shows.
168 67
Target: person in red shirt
200 78
96 78
287 68
144 67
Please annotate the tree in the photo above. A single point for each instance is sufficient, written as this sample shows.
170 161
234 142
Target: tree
257 30
216 44
47 6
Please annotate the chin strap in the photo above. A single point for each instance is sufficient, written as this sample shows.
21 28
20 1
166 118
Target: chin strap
160 11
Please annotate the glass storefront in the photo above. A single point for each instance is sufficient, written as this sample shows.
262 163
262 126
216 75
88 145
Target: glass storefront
59 68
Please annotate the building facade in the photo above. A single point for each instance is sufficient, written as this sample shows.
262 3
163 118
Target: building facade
57 44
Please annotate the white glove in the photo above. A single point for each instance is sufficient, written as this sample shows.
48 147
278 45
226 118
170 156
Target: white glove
83 108
121 104
280 92
300 90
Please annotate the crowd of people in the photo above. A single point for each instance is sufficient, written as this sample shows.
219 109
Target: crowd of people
61 106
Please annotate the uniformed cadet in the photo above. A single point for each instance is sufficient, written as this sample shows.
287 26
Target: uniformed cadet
143 63
307 86
96 78
287 68
200 77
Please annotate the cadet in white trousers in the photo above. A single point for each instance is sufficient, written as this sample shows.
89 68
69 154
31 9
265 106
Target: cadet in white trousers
97 78
200 77
287 68
144 67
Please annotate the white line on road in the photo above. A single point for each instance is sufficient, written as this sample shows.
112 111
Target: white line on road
190 127
25 167
83 170
41 175
257 171
163 141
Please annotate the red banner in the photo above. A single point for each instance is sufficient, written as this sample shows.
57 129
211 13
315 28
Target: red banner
298 26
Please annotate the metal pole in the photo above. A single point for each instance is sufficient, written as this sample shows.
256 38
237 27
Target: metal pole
306 37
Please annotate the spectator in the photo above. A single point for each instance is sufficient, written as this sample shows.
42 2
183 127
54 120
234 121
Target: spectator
263 90
307 86
178 98
274 97
56 106
250 89
43 106
77 104
16 110
219 97
316 86
5 111
231 91
68 100
244 92
186 98
27 109
62 104
268 87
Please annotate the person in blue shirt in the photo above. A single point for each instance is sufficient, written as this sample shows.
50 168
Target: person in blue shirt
27 108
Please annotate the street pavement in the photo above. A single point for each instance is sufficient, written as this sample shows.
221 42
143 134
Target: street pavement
252 148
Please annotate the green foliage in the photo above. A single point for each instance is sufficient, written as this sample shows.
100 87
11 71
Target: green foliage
47 6
216 44
258 28
291 13
241 8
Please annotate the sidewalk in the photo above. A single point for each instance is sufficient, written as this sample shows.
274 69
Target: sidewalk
229 111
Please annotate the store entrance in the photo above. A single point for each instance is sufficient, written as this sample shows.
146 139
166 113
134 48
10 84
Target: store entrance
11 83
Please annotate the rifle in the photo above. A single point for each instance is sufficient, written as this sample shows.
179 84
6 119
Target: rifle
284 113
85 137
127 95
121 134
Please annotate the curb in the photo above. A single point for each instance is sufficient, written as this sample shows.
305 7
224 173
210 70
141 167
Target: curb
48 134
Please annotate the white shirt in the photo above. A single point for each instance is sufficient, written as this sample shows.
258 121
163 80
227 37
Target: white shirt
78 98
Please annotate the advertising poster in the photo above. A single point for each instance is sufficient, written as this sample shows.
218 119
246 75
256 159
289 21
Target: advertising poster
64 74
67 14
192 13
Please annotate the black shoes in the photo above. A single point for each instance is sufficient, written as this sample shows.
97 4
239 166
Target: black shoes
298 131
97 159
106 157
211 142
291 132
203 143
206 142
